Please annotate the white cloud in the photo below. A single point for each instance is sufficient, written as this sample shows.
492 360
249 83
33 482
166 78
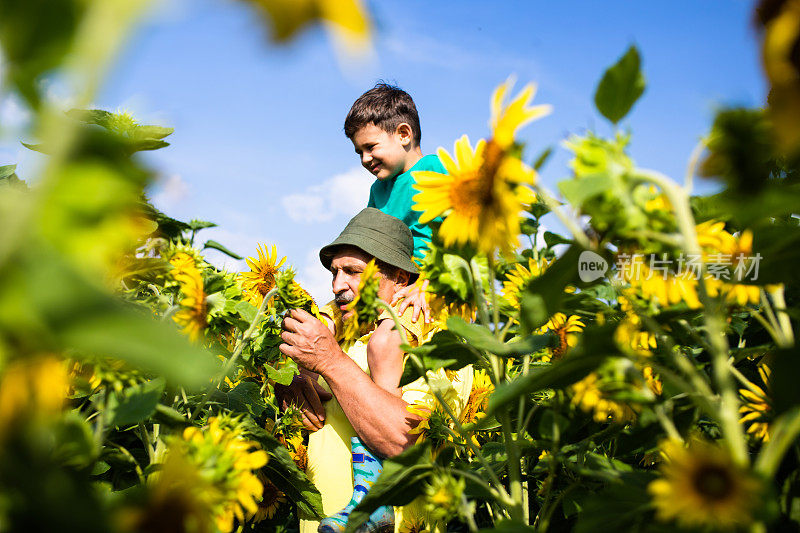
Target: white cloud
171 191
344 194
13 115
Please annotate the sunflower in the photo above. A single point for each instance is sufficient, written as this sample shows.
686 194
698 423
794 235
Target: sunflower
363 311
480 196
475 408
192 315
229 462
261 278
435 424
630 335
413 518
183 263
564 329
757 407
443 497
441 310
590 397
664 289
32 388
298 451
652 380
270 502
518 279
346 20
734 251
507 118
180 498
701 486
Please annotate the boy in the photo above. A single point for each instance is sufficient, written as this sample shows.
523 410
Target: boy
383 125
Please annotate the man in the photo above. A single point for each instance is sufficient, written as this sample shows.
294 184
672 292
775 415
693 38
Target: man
359 406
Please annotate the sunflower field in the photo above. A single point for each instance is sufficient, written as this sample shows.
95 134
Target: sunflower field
637 373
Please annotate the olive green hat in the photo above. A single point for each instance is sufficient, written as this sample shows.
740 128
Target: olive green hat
382 236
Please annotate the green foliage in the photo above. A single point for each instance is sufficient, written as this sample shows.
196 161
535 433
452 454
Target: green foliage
620 87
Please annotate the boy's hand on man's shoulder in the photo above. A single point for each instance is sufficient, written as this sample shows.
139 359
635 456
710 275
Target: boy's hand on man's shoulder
413 296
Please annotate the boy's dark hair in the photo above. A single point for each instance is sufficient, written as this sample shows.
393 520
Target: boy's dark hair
386 106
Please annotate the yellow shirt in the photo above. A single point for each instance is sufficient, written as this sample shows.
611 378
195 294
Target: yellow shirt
329 459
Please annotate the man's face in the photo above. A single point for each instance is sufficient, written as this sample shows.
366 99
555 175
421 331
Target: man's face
383 154
346 267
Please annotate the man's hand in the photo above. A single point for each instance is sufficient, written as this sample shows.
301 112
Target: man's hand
308 341
415 297
307 395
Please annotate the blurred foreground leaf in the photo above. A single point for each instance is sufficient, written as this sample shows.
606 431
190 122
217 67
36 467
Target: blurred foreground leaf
621 85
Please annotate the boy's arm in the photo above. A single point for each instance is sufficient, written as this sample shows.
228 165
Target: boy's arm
385 358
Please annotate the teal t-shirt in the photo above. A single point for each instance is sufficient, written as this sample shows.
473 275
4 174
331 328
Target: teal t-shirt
394 197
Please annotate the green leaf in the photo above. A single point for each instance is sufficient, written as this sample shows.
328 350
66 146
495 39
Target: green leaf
528 226
283 472
246 310
620 87
246 398
169 416
544 295
578 190
508 526
35 36
136 404
481 338
621 507
283 375
785 365
457 275
197 225
741 150
7 171
444 350
402 480
153 132
217 246
542 158
553 239
595 346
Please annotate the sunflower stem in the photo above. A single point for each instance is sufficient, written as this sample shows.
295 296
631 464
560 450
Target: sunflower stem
244 341
773 320
555 208
728 413
667 424
493 295
766 325
477 287
777 294
691 167
746 382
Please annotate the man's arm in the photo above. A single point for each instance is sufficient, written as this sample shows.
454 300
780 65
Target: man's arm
379 418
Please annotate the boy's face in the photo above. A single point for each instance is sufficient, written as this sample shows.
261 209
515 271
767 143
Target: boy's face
384 154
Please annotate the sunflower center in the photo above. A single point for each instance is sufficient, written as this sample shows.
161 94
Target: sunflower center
471 195
563 344
713 482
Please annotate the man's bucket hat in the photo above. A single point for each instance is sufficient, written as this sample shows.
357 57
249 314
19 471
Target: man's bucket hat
382 236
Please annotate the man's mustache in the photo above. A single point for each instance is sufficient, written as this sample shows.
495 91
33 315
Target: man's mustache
344 297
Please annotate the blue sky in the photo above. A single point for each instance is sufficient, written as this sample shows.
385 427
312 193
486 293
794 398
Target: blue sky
259 148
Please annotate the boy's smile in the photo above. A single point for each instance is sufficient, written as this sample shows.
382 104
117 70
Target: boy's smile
385 154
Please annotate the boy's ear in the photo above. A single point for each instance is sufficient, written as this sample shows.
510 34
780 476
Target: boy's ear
405 133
